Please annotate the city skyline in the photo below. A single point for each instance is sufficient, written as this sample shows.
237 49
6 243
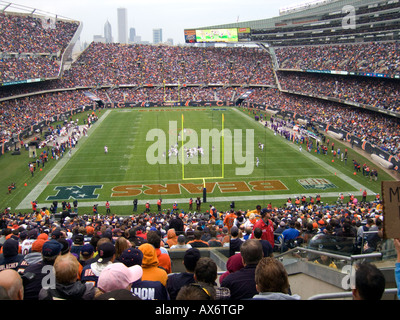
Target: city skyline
172 16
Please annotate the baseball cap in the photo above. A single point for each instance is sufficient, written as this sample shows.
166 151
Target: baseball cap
56 234
118 276
51 248
106 251
87 250
79 238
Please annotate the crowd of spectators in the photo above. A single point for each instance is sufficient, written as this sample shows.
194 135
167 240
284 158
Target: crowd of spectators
150 70
18 114
139 247
28 67
31 46
377 129
377 93
373 57
113 64
31 34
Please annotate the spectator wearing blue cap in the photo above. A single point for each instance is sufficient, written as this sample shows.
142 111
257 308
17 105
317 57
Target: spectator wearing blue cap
144 289
87 252
34 273
91 272
77 244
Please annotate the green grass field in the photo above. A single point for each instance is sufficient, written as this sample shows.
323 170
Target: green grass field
128 170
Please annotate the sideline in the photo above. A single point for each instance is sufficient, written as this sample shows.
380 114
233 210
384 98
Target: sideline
210 200
39 188
26 203
321 163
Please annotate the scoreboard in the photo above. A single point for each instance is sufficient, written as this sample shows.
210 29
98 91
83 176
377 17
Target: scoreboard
229 35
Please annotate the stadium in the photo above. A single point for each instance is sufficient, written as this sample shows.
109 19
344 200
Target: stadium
287 123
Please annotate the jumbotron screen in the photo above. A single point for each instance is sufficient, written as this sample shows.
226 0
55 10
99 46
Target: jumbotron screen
217 35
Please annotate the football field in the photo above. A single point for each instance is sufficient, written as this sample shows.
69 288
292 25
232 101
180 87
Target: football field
173 153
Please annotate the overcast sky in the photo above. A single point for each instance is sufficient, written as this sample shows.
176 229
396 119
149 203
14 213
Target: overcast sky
173 16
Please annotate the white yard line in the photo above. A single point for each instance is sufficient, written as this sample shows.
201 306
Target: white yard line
321 163
26 203
39 188
210 200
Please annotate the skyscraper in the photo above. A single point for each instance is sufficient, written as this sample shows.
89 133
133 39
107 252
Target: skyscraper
132 35
108 32
122 25
157 36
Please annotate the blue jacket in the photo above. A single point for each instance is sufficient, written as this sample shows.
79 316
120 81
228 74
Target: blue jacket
290 234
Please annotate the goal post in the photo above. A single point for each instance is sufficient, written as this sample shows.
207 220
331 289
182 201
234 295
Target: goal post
184 178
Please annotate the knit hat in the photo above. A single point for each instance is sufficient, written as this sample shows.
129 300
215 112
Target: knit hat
10 248
43 236
37 246
131 257
118 276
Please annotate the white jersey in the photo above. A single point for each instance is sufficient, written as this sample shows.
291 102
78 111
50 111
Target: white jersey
26 246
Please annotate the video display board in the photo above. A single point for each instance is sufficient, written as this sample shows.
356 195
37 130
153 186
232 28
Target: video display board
217 35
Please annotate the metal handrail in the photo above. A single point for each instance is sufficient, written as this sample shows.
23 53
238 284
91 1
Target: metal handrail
347 294
334 255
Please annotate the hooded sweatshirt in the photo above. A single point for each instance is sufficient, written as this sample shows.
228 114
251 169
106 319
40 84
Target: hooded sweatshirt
172 238
73 291
33 257
150 265
275 296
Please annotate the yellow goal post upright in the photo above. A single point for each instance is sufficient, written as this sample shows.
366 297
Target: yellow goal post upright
222 162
